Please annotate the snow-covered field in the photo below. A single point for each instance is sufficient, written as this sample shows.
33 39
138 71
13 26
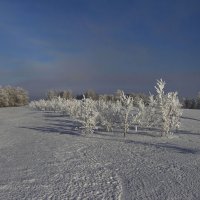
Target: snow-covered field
42 156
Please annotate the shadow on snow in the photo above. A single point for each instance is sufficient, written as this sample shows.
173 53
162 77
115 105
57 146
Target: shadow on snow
190 118
65 126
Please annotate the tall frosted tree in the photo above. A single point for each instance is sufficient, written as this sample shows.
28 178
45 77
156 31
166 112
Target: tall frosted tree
166 109
125 115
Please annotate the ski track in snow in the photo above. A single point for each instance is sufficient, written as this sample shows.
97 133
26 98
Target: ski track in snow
43 157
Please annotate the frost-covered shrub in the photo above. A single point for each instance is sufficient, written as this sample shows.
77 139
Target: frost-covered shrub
172 112
21 97
108 113
39 105
55 105
140 118
80 111
52 105
148 116
72 108
87 115
4 98
13 96
127 112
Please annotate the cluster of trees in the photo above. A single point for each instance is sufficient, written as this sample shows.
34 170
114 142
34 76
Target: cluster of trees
13 96
162 111
192 103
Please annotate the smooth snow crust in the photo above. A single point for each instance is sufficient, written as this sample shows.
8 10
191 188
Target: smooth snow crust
43 156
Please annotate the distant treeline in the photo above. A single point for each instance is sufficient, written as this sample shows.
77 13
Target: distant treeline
67 94
17 96
193 103
13 96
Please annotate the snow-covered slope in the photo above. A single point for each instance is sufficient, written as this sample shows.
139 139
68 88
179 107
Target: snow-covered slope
42 156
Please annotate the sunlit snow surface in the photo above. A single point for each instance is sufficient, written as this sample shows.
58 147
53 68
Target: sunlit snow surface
43 156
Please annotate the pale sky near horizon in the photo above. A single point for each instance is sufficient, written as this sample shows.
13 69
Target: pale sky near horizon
100 44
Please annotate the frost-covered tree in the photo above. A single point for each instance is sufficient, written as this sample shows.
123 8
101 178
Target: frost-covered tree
87 115
165 109
73 108
172 113
126 112
108 113
141 117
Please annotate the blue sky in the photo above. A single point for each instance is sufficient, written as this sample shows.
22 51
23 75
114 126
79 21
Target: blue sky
103 45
